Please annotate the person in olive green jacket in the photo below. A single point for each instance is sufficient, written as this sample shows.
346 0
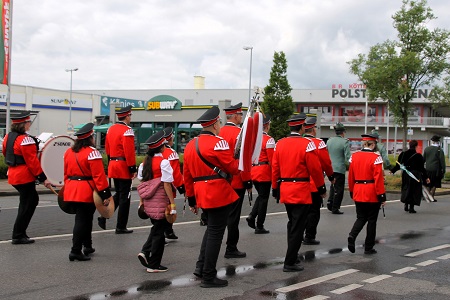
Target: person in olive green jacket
382 151
434 160
339 149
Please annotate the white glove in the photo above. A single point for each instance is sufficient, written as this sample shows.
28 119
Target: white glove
173 212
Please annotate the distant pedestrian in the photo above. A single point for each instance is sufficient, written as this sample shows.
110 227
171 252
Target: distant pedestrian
84 173
20 151
411 187
434 159
339 149
262 176
381 149
366 185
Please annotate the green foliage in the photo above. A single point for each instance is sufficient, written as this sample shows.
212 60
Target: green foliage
278 102
394 70
3 167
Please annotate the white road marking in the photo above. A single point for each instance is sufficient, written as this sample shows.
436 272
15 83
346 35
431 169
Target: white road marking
377 278
314 281
427 263
417 253
403 270
318 297
347 288
444 256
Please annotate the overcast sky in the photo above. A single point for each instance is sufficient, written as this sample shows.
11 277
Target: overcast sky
162 44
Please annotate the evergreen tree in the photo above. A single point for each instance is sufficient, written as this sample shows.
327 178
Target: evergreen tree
278 102
394 70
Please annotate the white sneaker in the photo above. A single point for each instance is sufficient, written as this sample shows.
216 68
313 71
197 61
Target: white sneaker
160 269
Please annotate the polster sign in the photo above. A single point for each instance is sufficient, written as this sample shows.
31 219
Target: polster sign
163 102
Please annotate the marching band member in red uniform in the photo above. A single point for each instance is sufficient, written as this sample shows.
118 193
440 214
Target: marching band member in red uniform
119 146
317 202
208 166
262 177
366 185
20 151
294 162
84 173
240 182
172 156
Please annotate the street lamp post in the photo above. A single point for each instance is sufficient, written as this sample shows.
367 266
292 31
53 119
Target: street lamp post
70 100
250 79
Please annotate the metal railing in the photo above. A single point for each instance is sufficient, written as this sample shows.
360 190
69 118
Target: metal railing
383 121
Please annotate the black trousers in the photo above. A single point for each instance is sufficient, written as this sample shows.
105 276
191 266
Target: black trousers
366 212
28 200
82 230
313 218
212 240
122 201
297 214
259 209
155 243
233 221
337 191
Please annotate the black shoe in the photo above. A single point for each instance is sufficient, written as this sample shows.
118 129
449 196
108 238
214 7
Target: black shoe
143 259
294 268
337 212
88 250
311 242
251 222
22 241
171 236
351 244
434 200
198 272
101 222
261 231
159 269
78 256
406 207
235 254
370 251
412 211
330 206
214 283
123 231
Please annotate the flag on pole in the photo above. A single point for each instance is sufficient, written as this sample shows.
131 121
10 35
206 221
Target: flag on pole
4 40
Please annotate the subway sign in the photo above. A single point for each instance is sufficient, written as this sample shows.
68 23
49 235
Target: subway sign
163 102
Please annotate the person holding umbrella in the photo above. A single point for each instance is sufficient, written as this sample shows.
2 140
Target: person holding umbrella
412 163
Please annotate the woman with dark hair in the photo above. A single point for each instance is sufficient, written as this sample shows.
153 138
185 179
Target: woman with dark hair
154 167
20 150
411 188
84 173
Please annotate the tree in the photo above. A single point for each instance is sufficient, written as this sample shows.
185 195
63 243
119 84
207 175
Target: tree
394 70
278 102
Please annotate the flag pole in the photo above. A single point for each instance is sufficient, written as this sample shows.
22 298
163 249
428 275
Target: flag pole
8 80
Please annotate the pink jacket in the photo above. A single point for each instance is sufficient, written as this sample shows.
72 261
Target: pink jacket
155 200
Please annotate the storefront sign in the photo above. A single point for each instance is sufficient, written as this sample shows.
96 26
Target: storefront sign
106 101
61 102
358 90
163 102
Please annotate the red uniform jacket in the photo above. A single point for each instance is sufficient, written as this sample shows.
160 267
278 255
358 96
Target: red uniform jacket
215 192
262 171
172 156
295 161
119 146
91 163
366 166
24 146
229 133
324 158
